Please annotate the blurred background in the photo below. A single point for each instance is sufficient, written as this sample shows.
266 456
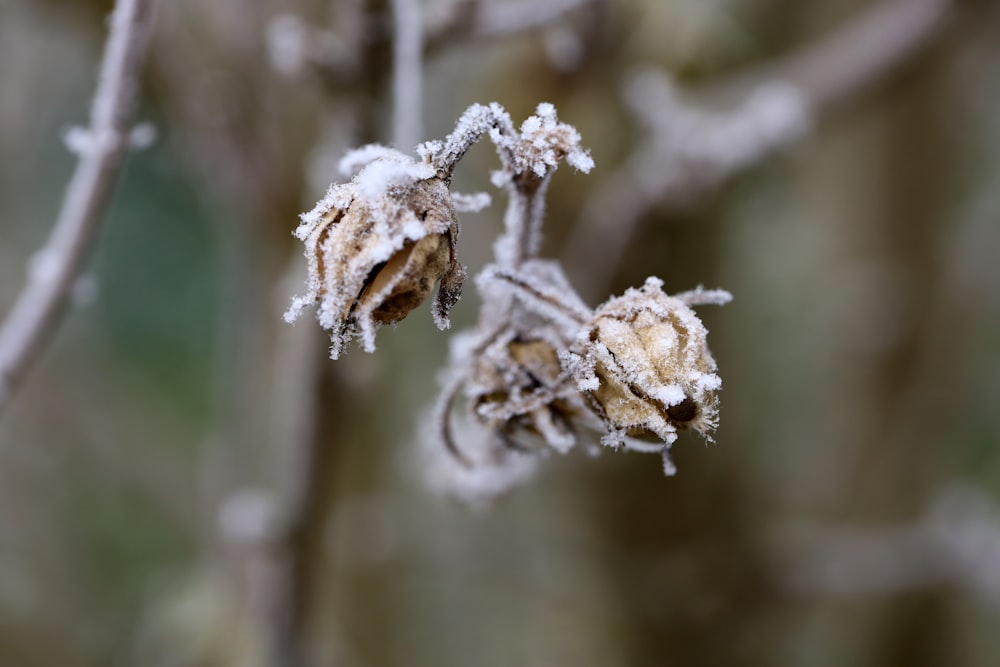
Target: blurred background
186 481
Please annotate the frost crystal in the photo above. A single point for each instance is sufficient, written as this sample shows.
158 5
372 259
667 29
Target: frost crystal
473 203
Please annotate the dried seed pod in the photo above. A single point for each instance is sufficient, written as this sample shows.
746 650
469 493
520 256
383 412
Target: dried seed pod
644 364
516 388
376 246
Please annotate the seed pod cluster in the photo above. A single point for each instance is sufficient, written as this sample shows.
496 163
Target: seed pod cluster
376 246
637 369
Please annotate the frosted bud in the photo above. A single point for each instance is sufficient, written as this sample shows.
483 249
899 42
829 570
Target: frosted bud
376 246
644 364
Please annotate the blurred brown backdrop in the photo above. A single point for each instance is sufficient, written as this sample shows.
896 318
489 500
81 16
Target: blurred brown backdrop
846 514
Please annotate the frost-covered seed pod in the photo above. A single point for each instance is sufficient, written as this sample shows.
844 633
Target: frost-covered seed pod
643 361
376 246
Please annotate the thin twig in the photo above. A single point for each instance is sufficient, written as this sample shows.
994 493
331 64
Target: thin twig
672 169
407 83
38 310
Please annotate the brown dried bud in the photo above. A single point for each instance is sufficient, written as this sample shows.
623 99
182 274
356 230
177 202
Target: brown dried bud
516 388
643 361
376 246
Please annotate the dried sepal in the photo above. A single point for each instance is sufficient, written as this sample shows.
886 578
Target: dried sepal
509 368
644 365
376 246
474 463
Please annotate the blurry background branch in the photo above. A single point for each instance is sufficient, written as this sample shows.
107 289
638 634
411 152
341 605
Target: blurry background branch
956 543
692 149
460 21
52 272
407 75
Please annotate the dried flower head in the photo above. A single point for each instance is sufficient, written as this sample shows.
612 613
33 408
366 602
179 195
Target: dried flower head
644 364
376 246
513 380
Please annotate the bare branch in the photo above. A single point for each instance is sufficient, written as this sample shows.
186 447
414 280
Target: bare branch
38 310
852 58
693 150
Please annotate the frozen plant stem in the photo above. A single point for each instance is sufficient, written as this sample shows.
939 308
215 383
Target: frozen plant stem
38 310
476 121
529 158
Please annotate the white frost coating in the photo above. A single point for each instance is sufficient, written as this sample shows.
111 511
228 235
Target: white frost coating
382 214
471 203
489 469
539 146
541 288
428 149
670 394
544 141
76 139
43 266
509 373
286 43
143 136
476 121
354 160
700 296
248 517
480 483
79 140
669 469
379 176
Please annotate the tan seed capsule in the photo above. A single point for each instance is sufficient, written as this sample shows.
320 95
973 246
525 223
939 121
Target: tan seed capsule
644 363
375 248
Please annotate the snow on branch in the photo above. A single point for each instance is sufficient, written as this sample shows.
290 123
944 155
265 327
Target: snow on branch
38 310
